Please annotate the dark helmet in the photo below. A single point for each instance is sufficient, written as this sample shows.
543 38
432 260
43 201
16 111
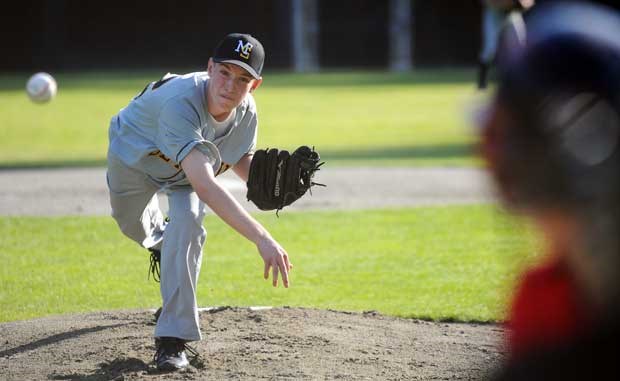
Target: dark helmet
561 89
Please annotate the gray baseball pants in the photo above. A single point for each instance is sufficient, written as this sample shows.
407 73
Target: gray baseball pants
135 207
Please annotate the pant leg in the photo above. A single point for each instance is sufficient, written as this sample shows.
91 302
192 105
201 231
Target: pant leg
181 257
483 75
135 207
491 25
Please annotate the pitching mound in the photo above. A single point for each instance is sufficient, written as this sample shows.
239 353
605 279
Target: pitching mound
244 344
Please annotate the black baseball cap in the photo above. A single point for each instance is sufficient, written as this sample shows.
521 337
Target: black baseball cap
242 50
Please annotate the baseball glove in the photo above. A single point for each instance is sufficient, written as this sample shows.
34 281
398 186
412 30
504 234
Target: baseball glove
278 178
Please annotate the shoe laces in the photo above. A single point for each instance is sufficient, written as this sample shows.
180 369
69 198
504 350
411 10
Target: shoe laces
155 265
174 346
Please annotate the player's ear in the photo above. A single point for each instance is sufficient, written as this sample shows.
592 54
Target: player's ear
256 83
210 66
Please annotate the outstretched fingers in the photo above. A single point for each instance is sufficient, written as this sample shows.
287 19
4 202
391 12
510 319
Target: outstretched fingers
275 274
266 271
288 263
279 267
283 264
276 260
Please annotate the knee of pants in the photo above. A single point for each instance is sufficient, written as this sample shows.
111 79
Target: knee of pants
131 228
188 215
186 224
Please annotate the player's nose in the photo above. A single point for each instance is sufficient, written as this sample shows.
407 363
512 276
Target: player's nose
229 85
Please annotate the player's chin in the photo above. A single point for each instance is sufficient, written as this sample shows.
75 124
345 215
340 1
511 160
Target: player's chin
228 104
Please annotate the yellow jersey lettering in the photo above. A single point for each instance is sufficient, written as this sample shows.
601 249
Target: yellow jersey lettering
165 158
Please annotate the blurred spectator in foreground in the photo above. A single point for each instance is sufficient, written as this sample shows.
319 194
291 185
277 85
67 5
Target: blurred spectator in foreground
551 141
497 16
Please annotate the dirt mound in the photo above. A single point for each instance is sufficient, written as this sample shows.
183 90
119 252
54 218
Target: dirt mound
247 344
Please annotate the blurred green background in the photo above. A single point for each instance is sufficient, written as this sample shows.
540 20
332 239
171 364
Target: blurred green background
352 118
442 263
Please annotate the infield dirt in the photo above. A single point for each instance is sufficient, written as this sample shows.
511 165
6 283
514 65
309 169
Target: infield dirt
245 344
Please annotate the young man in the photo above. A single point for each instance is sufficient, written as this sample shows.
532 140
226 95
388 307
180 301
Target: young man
176 136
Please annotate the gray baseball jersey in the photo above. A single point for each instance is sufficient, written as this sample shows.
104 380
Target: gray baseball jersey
169 118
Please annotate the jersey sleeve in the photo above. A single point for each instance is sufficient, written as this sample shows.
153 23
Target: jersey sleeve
242 139
254 125
179 133
253 133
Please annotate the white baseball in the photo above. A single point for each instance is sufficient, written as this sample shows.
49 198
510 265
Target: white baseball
41 87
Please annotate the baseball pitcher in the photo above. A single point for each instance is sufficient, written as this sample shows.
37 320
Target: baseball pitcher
176 136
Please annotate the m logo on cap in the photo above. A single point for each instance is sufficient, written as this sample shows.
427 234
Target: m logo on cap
244 50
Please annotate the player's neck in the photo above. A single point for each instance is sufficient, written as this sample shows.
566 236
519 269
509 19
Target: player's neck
222 116
225 119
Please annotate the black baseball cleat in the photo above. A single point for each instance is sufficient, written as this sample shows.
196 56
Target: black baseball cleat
155 265
156 314
170 353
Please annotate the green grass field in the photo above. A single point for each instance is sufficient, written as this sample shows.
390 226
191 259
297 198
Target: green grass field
441 263
353 118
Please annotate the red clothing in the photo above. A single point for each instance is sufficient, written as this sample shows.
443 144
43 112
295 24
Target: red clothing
548 309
